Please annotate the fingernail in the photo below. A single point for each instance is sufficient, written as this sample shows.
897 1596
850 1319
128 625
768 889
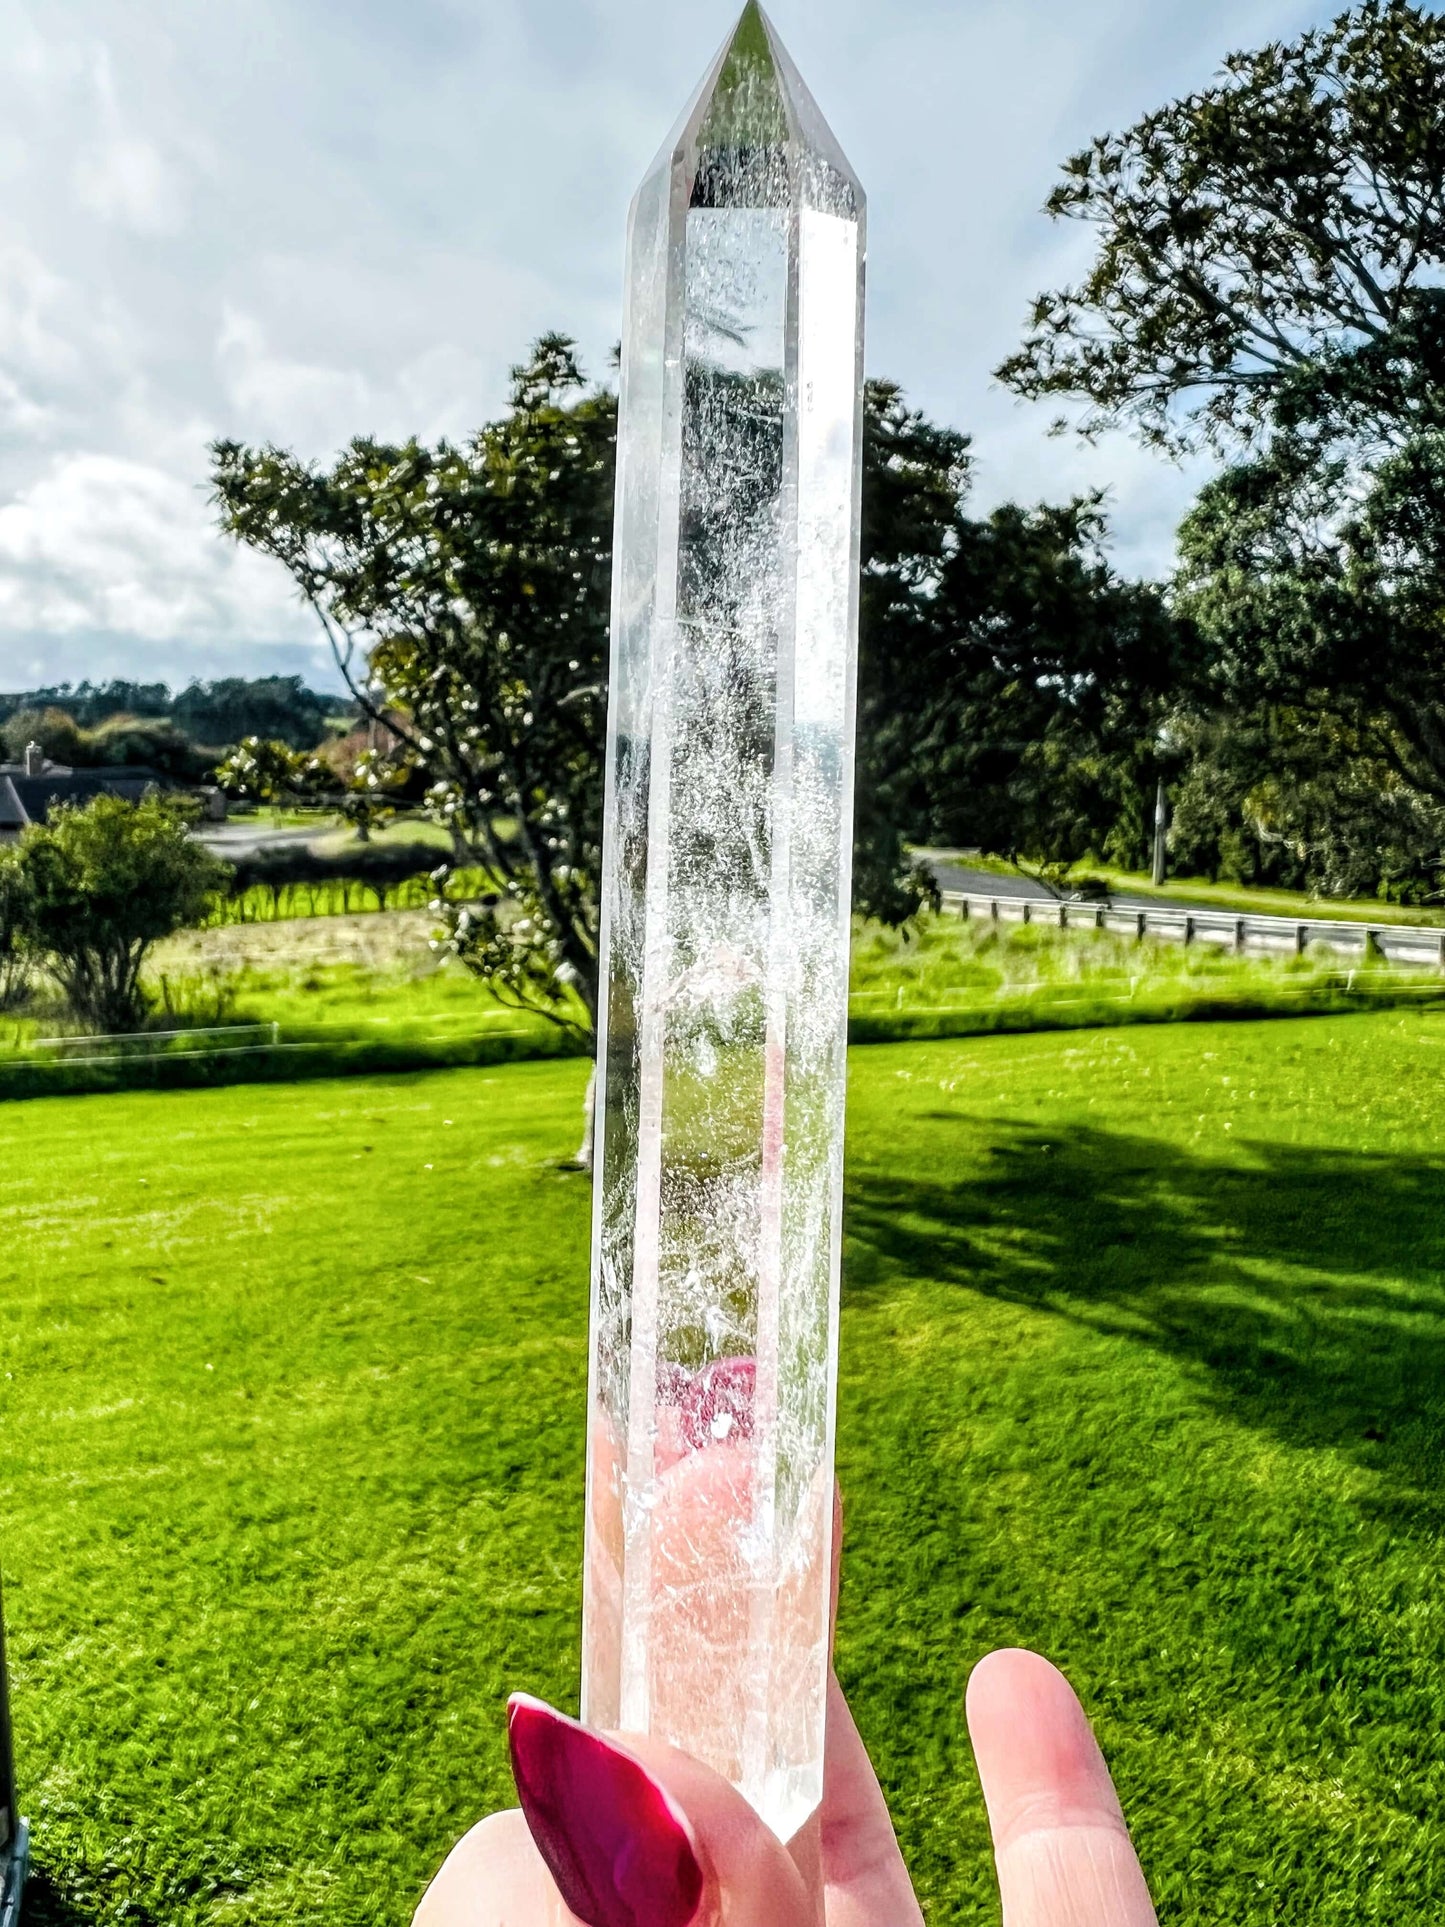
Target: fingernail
617 1845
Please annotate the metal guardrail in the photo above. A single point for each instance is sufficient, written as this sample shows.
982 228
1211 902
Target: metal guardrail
1417 944
14 1834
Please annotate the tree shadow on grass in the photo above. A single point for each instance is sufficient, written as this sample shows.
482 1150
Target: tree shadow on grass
47 1905
1306 1285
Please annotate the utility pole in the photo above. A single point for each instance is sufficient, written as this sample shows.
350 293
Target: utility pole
1161 828
14 1834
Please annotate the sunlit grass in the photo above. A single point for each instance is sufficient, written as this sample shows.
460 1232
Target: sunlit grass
1143 1349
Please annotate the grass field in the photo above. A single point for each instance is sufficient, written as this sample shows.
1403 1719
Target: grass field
336 995
1143 1364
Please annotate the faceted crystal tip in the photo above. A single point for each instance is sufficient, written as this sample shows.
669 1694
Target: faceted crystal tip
753 118
747 106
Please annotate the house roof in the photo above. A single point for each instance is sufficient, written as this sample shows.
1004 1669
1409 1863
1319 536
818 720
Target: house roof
30 799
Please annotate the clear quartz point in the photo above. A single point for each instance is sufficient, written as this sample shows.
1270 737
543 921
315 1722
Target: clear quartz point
726 881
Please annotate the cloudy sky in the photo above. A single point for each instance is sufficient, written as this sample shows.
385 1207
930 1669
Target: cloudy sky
298 220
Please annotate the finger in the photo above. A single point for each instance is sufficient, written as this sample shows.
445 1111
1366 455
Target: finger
754 1880
1062 1850
497 1877
494 1877
635 1833
862 1870
864 1878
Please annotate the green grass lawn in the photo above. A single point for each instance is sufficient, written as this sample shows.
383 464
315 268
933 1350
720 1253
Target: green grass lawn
330 995
1143 1364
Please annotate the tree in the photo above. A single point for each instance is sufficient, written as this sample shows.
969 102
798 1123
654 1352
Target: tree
464 591
1319 587
1268 249
281 708
262 770
1035 692
363 791
57 733
100 885
150 742
14 922
466 594
90 703
1270 793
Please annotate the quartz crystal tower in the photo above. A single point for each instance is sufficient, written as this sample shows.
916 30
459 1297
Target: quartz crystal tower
725 937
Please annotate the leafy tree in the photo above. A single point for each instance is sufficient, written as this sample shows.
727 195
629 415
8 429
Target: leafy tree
208 713
225 711
1280 795
259 770
466 594
1269 248
99 885
150 742
1036 693
14 924
90 703
1321 588
57 733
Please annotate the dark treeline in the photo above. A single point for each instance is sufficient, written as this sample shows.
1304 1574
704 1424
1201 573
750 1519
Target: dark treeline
210 715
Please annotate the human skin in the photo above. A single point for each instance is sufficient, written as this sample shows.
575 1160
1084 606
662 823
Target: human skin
1061 1848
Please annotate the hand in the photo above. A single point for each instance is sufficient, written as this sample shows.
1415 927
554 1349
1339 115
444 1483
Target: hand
636 1834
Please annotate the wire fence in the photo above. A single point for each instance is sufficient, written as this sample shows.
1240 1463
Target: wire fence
87 1047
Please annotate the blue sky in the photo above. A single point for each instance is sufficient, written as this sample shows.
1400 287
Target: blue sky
297 220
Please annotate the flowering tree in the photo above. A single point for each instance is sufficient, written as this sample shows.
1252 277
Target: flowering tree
464 591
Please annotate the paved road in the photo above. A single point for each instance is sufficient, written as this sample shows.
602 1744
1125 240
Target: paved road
952 874
1180 921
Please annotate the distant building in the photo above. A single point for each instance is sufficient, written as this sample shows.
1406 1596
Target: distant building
30 790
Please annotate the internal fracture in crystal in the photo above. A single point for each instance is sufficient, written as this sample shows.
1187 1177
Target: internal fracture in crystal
725 937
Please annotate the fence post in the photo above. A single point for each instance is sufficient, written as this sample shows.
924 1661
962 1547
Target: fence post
1442 951
1239 934
964 909
1188 930
1099 922
993 909
14 1835
1028 911
1141 924
1063 916
1301 939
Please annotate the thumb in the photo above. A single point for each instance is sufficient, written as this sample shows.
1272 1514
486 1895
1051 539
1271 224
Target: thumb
632 1834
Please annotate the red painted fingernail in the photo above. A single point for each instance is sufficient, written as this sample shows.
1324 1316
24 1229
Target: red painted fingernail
618 1846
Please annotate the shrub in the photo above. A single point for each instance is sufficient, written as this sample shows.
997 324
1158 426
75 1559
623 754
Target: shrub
14 948
99 885
58 734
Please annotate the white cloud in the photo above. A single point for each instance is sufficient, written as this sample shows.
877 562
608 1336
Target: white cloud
103 543
300 222
119 174
282 398
124 179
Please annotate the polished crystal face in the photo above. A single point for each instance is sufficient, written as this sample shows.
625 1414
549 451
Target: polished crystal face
725 938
